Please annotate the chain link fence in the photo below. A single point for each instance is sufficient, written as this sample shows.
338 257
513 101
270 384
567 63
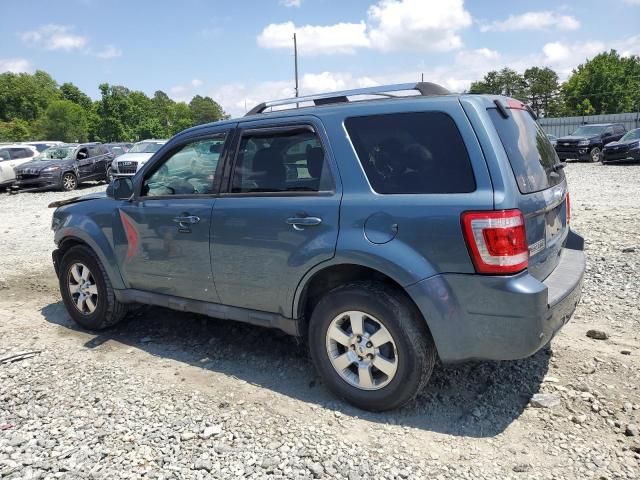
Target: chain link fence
566 125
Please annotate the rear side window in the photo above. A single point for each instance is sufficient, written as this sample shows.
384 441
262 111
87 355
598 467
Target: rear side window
412 153
530 153
279 160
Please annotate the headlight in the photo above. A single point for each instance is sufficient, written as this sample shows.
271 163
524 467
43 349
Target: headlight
55 168
583 143
635 144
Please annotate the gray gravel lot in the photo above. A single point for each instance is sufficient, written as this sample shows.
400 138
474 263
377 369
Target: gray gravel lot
171 395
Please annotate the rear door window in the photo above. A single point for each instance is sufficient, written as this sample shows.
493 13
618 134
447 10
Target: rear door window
530 153
412 153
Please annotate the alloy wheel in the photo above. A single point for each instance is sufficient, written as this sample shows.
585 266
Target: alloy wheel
595 154
69 181
82 288
361 350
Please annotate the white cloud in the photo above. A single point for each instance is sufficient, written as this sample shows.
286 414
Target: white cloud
54 37
533 21
632 2
109 52
417 25
291 3
15 65
196 82
391 25
313 40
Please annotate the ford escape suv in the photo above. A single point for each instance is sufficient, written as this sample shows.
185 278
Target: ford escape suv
387 229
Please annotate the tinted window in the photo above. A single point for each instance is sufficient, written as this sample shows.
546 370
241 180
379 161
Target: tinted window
412 153
619 129
530 153
189 171
284 161
4 155
17 153
95 151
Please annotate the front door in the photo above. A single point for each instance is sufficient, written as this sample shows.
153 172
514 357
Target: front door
277 218
163 246
84 164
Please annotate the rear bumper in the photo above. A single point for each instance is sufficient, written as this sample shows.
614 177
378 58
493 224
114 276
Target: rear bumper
475 317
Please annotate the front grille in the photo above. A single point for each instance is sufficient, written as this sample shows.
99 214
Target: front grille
26 176
127 168
29 171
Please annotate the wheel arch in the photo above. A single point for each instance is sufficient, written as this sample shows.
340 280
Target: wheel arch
324 279
100 247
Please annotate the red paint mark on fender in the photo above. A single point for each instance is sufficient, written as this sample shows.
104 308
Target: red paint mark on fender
132 235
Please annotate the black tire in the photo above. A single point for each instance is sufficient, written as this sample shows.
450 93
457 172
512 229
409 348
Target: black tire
414 346
594 153
68 182
109 175
108 311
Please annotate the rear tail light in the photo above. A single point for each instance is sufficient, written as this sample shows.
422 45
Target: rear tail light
568 207
497 241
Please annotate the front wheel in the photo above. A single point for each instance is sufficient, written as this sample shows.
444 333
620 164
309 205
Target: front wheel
371 346
595 154
86 290
69 182
109 178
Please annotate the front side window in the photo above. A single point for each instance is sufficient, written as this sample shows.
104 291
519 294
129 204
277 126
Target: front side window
189 171
275 161
412 153
4 155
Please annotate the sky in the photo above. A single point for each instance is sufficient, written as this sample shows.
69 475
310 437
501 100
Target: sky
240 52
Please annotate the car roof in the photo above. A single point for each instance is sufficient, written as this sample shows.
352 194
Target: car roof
16 145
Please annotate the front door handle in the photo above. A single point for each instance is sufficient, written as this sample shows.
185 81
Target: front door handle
299 223
185 221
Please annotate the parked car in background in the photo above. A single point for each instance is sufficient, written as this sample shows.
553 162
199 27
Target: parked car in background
553 139
386 232
625 149
42 145
64 167
118 149
587 142
12 156
128 164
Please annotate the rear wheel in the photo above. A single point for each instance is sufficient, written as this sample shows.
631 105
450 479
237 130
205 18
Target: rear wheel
86 290
371 346
595 154
69 182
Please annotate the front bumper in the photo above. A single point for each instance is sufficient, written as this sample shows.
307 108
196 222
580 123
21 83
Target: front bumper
577 153
41 182
628 156
476 317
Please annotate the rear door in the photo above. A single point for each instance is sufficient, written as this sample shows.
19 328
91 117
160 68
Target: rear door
543 194
278 215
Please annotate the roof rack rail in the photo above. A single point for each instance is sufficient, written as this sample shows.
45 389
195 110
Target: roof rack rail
424 89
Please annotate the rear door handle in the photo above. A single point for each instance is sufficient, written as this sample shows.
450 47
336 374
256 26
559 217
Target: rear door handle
299 223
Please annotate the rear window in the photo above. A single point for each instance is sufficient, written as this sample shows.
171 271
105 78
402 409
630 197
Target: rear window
421 152
530 152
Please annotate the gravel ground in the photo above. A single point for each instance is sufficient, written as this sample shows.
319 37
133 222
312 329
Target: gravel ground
171 395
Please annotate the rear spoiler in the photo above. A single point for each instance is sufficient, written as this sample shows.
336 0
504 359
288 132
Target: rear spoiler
513 104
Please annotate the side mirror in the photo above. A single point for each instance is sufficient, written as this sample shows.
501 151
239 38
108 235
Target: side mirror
120 189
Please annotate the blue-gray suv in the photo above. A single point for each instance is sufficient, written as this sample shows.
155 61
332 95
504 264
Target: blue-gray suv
387 229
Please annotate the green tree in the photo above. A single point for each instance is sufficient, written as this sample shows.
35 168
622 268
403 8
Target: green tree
25 96
181 118
205 110
163 107
64 120
14 131
542 88
114 110
610 83
504 82
72 93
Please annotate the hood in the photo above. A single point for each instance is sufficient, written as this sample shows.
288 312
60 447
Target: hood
134 157
573 138
40 164
83 198
621 143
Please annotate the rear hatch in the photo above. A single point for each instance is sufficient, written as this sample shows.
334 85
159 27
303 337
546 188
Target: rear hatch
543 194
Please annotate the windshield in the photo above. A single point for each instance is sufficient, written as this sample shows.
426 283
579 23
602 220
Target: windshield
588 130
632 135
56 153
146 147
